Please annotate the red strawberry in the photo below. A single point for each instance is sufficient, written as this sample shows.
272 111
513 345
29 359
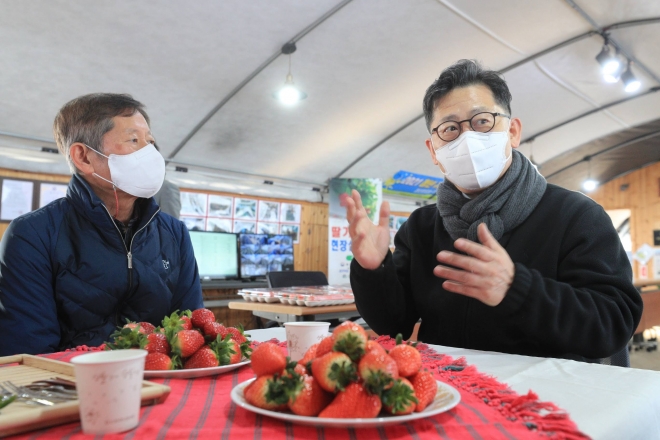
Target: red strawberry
213 329
350 338
240 337
400 399
158 361
378 371
334 371
200 317
425 389
325 346
237 334
374 346
354 401
235 351
205 357
266 392
407 359
309 356
157 343
267 358
186 322
309 398
146 328
126 337
186 342
176 322
300 370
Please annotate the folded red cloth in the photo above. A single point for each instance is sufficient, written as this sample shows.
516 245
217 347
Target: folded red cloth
201 408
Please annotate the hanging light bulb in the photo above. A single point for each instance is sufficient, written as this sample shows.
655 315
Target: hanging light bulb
589 184
630 83
289 94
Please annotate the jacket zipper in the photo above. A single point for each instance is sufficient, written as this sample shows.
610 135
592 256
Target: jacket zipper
129 254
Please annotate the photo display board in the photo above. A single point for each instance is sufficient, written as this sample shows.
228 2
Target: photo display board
240 215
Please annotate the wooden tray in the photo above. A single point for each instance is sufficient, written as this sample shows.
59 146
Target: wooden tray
18 417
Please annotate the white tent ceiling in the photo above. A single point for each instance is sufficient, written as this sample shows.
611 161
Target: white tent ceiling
207 70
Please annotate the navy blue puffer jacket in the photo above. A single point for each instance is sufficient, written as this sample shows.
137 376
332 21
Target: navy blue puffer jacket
68 279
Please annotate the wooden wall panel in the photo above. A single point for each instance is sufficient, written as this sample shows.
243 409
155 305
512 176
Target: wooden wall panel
638 191
35 176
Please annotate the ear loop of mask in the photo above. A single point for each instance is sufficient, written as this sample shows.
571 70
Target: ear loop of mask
114 188
436 156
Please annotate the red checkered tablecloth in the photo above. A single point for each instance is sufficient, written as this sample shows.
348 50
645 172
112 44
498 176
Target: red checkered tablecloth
201 408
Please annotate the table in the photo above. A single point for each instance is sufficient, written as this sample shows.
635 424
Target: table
286 313
605 402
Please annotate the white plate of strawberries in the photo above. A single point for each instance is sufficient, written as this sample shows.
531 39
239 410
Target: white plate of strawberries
346 380
186 345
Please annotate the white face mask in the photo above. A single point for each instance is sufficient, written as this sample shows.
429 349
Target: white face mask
474 160
139 174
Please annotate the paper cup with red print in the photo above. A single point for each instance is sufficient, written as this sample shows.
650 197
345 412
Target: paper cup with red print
109 385
302 335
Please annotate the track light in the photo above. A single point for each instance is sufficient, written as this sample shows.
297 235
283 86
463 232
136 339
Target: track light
611 63
630 83
608 60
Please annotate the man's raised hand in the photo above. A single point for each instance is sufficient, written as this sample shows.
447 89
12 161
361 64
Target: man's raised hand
370 242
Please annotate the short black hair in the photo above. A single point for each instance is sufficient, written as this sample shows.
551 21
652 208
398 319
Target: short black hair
465 73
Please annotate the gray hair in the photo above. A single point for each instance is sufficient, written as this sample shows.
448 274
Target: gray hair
88 118
465 73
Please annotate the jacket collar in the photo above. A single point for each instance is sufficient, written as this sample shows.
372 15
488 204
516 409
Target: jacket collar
89 205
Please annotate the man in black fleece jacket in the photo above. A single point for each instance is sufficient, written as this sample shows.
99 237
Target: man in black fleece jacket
504 262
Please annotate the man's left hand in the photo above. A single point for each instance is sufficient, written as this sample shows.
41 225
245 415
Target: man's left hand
487 270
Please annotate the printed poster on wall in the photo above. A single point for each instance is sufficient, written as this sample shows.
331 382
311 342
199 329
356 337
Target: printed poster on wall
49 192
16 198
339 240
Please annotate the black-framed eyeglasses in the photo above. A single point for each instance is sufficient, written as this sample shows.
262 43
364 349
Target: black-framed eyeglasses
482 122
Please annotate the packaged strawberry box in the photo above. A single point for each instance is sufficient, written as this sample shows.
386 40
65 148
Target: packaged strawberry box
184 340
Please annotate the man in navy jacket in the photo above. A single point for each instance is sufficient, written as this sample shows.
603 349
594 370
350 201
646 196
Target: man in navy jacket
74 270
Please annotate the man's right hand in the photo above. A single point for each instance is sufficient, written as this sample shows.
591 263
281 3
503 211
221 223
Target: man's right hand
370 242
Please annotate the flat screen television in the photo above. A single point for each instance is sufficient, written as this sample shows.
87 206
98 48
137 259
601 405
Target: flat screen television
263 253
216 254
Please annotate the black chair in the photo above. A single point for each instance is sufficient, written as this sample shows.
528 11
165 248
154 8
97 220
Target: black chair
296 278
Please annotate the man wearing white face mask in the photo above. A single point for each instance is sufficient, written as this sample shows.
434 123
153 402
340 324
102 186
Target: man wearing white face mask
74 270
504 261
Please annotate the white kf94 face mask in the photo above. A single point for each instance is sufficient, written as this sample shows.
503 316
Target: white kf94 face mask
139 174
474 160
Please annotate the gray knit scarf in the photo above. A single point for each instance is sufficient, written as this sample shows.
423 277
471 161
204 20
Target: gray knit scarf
503 206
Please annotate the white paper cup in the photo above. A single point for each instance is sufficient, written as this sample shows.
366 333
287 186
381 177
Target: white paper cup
109 385
302 335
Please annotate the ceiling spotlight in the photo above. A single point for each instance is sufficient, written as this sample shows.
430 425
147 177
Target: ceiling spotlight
289 94
630 83
610 62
